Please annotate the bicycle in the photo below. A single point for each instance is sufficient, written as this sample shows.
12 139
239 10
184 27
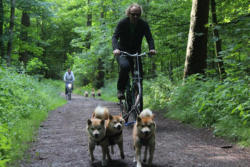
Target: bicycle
69 86
132 104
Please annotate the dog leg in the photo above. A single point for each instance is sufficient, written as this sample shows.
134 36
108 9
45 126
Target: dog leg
151 154
104 154
145 154
108 155
91 152
120 145
138 155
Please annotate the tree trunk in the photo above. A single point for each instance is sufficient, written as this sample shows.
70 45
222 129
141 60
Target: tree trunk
12 21
218 41
25 20
196 53
100 74
89 24
1 31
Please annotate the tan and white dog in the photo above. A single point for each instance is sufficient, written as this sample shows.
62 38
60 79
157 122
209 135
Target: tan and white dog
93 93
115 126
144 135
96 130
86 94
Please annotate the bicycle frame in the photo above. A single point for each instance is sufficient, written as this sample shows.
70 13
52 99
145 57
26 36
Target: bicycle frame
134 92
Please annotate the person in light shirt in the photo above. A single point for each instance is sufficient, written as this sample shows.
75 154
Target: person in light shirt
68 78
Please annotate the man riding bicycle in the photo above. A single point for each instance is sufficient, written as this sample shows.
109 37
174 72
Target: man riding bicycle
68 78
128 37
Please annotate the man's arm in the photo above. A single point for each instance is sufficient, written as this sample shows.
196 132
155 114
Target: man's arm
64 77
149 37
116 36
73 77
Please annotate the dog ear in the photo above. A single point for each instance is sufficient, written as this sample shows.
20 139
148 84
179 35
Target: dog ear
89 122
93 115
110 117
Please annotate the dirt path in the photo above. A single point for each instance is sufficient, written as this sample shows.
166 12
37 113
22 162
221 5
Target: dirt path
62 142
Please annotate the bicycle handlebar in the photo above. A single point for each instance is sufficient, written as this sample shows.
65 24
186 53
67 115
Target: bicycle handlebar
134 55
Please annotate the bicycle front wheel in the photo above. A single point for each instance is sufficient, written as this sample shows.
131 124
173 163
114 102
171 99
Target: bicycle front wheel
137 99
124 109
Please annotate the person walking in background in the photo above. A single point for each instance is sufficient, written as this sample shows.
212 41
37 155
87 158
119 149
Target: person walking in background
128 37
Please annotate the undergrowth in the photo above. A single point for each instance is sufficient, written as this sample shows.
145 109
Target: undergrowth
221 105
24 103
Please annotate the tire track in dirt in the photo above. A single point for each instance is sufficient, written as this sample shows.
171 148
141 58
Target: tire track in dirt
62 142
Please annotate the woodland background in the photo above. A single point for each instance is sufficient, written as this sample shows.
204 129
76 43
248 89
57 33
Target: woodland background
40 39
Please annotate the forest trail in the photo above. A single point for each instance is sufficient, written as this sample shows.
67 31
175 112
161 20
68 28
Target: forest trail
62 142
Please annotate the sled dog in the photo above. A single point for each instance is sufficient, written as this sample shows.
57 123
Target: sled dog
144 135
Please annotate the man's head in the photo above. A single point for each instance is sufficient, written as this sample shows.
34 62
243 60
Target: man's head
134 12
69 70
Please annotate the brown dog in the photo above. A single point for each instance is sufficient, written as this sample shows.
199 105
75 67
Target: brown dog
86 94
96 130
144 135
93 93
115 126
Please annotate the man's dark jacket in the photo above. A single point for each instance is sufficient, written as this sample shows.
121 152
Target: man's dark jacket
126 40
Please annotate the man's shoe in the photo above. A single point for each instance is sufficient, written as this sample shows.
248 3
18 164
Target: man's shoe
120 95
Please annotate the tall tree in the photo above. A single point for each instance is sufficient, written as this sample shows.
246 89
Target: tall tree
89 24
100 67
217 40
11 27
1 30
25 20
196 53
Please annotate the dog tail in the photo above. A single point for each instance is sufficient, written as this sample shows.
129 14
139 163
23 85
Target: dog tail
146 113
101 113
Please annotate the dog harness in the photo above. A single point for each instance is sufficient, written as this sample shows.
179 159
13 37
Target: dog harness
113 137
144 140
100 141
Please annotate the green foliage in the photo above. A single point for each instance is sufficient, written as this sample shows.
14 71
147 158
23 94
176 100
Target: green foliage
109 91
36 67
211 103
24 103
157 94
5 146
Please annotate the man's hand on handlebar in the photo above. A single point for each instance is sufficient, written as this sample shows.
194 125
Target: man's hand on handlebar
152 52
116 52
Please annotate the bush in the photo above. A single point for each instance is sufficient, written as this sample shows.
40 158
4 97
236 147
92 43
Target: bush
24 103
